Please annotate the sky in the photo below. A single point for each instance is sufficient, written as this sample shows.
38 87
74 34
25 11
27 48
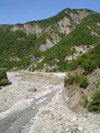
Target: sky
21 11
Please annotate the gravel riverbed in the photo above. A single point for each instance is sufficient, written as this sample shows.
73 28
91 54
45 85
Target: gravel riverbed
33 89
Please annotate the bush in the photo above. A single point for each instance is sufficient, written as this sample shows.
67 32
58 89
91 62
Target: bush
81 80
88 61
3 82
72 65
2 74
89 65
69 80
94 105
3 78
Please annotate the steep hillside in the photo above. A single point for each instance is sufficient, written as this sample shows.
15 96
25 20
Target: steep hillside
84 37
82 85
63 21
29 45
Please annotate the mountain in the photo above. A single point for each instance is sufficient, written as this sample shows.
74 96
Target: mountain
68 42
49 44
84 37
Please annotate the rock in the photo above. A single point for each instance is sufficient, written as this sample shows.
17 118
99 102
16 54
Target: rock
32 89
80 128
35 89
73 119
45 112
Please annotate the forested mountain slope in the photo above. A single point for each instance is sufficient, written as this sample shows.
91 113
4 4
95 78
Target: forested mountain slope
84 37
47 44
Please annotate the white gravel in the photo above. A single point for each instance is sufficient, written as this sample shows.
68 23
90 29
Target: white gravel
57 118
24 88
53 118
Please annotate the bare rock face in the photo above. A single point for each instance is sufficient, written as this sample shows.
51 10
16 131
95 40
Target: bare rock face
66 29
55 38
79 51
33 29
15 59
49 44
94 34
78 17
64 25
65 22
28 28
17 27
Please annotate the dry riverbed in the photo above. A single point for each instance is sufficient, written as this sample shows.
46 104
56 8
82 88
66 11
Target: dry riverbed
57 118
26 86
32 89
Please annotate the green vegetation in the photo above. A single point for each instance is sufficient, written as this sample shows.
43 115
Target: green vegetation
2 74
80 36
19 45
17 48
98 85
88 61
50 21
69 80
94 105
81 80
3 78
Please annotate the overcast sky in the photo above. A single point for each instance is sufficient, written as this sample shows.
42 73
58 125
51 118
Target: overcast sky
21 11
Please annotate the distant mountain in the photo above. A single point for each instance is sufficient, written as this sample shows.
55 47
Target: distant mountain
49 44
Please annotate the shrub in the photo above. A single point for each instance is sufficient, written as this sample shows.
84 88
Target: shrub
88 61
88 65
94 105
2 74
3 78
69 80
73 50
72 65
81 80
3 82
80 52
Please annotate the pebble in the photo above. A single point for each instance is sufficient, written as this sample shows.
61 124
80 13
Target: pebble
80 128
